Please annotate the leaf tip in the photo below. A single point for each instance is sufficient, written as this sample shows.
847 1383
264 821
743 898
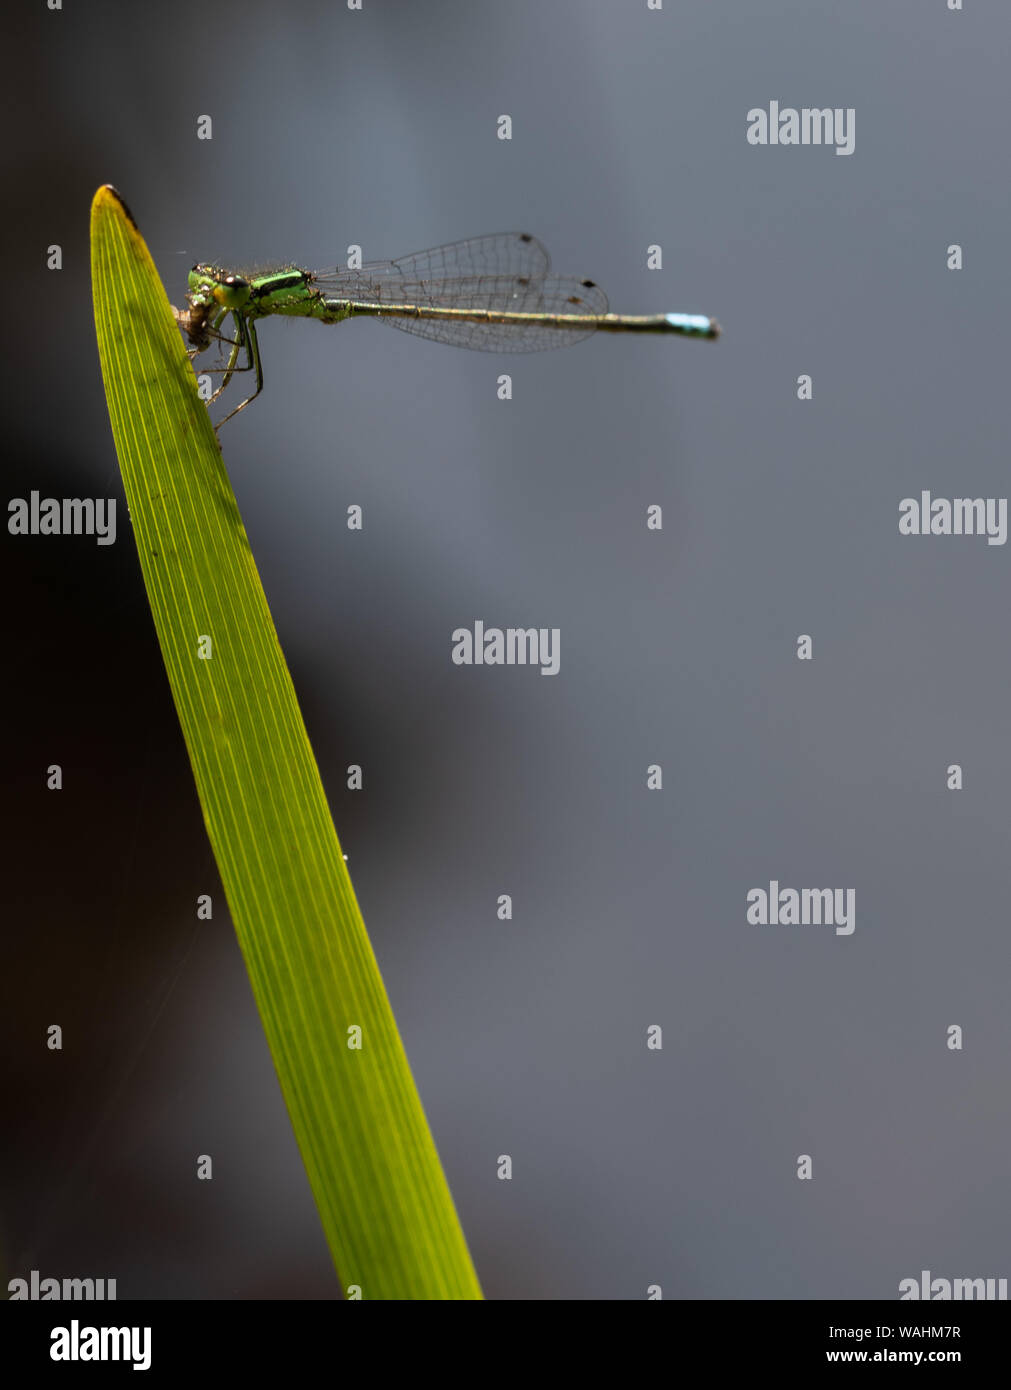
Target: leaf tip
107 197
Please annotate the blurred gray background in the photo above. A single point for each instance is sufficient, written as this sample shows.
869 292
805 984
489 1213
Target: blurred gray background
631 1167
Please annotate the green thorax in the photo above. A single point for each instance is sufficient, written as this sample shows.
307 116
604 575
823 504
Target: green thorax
285 291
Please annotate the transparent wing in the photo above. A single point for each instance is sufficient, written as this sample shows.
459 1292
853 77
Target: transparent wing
507 272
503 253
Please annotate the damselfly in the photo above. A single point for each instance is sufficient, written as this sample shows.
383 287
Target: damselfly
493 293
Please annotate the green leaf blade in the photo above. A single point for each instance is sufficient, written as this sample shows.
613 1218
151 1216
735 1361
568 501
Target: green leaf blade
383 1200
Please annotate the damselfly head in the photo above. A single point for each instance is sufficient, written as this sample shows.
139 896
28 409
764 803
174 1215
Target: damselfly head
209 285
